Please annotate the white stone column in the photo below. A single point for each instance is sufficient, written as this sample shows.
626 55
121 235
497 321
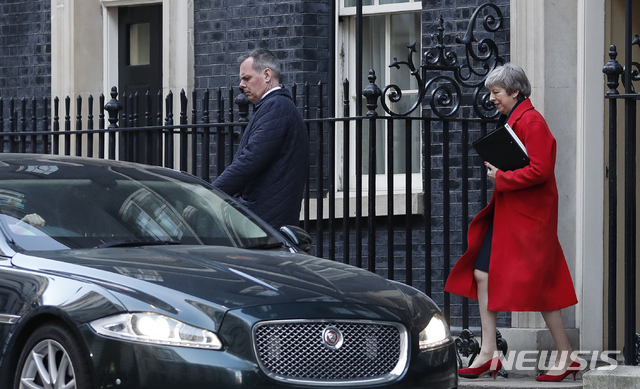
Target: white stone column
590 277
559 45
178 71
76 54
76 48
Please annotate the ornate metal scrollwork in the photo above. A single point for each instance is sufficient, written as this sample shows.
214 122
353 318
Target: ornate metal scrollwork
372 93
637 349
635 66
113 107
634 357
501 344
445 92
612 70
467 346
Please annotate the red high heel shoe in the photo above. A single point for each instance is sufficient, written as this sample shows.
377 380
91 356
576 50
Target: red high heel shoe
560 377
476 372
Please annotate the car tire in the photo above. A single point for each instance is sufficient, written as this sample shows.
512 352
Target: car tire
51 350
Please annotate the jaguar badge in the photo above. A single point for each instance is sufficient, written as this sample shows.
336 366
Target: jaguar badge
332 338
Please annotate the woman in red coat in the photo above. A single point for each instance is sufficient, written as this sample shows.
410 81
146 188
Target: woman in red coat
514 261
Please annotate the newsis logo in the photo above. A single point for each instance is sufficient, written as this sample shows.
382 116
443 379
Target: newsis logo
543 360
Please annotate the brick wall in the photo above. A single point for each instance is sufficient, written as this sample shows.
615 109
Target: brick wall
25 48
295 30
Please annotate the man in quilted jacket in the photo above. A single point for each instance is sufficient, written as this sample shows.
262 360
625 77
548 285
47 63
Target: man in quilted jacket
270 168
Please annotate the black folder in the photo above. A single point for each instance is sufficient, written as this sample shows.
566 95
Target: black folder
503 149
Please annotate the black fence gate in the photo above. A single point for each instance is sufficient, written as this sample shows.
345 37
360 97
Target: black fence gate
629 73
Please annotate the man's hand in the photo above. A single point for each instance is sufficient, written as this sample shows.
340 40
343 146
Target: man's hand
189 212
33 219
24 225
491 171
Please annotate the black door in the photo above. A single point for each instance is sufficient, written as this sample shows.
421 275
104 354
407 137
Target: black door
140 53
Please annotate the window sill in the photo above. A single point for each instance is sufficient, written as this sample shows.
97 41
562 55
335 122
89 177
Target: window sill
399 206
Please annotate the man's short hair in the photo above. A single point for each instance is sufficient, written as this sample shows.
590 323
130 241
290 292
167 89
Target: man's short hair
263 59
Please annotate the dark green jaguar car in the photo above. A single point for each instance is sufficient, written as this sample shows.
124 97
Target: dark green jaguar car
119 275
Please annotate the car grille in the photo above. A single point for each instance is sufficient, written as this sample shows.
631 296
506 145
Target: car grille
295 351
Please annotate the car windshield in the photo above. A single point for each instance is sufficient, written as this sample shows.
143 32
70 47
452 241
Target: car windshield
62 206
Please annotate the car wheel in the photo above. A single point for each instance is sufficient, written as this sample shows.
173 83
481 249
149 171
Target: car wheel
52 359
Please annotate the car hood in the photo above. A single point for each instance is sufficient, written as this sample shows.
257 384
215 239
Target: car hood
228 278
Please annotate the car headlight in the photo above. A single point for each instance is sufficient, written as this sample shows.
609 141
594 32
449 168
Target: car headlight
156 329
434 334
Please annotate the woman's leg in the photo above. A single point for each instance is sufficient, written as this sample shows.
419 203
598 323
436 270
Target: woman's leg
488 318
559 335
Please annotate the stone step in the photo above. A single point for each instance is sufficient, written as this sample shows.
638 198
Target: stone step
517 383
622 377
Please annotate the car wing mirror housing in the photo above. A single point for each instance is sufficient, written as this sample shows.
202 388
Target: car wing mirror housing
299 237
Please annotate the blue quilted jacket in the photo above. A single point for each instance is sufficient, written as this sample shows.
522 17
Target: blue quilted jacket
270 168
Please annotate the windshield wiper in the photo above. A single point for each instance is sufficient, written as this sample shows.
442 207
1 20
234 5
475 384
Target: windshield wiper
137 243
264 246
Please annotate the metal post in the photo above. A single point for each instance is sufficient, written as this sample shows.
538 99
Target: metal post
194 134
168 140
446 223
34 126
205 137
390 210
630 201
372 93
465 209
90 127
67 126
113 107
613 70
45 127
426 185
78 134
408 213
23 125
346 171
55 139
184 149
359 29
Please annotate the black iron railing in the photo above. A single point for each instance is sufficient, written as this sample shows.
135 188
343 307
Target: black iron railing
415 245
205 147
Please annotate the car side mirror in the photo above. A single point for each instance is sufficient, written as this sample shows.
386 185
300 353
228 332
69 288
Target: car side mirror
299 237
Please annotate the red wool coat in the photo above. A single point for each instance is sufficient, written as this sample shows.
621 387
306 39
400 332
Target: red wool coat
527 270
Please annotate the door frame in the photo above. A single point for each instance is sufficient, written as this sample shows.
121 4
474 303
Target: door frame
145 78
178 71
